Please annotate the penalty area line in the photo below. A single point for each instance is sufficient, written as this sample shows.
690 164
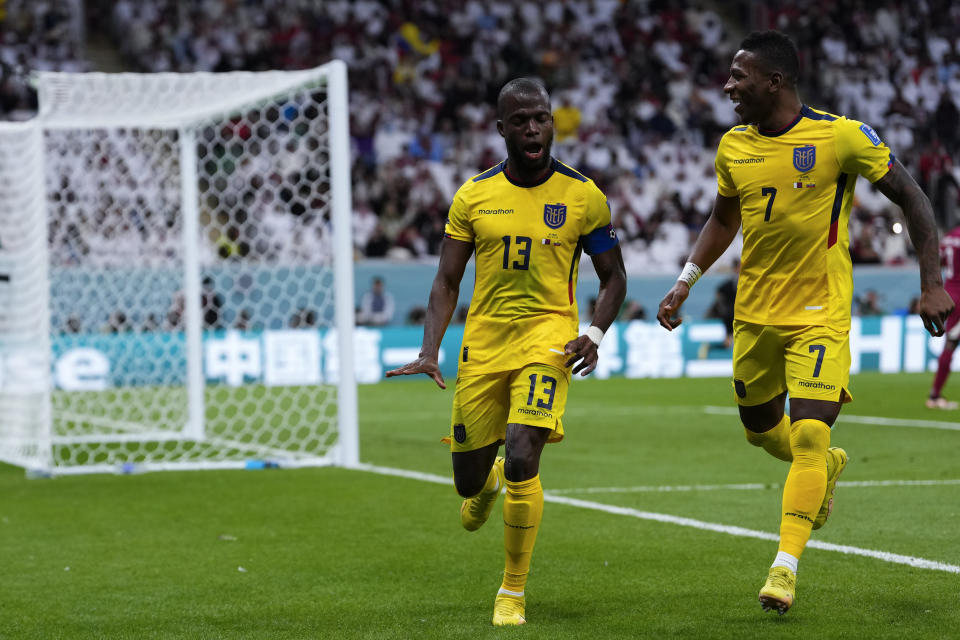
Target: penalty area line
895 558
845 418
752 486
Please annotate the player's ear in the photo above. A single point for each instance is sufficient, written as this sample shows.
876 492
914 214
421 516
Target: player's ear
500 127
775 81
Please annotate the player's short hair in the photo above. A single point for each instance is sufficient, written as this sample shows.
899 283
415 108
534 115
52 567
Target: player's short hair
776 51
521 85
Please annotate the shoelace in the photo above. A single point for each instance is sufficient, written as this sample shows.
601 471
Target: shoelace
474 505
477 505
506 606
781 580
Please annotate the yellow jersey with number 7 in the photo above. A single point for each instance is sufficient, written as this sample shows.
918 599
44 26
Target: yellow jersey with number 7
796 189
527 241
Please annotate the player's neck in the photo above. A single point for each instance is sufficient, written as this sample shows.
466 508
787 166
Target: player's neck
523 177
781 117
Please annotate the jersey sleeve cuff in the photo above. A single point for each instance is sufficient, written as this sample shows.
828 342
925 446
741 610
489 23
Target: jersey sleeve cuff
727 193
458 236
882 170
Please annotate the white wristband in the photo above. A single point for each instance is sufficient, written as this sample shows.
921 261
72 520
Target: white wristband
595 334
690 274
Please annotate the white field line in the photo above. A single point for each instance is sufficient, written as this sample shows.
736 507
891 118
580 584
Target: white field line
896 483
754 486
919 563
720 411
404 473
419 414
875 420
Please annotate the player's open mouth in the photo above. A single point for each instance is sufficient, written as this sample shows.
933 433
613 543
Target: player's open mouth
533 151
737 105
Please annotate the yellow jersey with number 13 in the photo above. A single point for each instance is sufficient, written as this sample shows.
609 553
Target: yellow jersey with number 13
796 190
528 240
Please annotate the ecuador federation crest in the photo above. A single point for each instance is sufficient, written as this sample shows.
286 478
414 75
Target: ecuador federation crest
804 158
554 215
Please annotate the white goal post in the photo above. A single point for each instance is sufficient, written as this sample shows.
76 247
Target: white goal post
176 273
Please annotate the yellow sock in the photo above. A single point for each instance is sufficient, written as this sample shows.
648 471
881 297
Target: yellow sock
522 510
806 484
493 480
776 441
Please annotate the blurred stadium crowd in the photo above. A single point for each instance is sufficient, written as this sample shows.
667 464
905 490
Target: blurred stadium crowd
636 86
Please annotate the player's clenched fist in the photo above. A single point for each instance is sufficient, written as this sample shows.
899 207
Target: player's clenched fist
935 307
671 304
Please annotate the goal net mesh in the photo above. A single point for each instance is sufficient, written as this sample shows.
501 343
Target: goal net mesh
185 285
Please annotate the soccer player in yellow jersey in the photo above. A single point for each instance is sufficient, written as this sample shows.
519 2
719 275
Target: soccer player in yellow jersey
787 175
527 220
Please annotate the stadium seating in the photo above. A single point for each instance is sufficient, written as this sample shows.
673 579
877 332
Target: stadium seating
637 88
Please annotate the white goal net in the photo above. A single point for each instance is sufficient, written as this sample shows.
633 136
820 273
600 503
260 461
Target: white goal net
176 284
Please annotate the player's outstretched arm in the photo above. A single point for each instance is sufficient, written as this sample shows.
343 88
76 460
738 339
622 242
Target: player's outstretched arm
935 304
717 234
613 289
454 255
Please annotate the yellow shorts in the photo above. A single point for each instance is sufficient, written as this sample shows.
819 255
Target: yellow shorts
483 405
810 362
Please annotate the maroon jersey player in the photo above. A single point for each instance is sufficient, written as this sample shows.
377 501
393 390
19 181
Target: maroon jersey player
950 261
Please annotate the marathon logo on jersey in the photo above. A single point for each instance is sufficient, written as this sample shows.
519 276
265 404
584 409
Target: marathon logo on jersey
816 385
536 413
871 134
804 158
494 212
554 215
460 433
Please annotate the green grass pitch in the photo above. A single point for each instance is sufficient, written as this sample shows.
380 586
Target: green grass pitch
335 553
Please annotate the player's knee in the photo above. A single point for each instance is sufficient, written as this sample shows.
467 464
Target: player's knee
809 435
519 466
761 418
468 487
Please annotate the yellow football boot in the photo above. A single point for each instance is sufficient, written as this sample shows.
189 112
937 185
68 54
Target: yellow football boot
509 610
778 592
836 463
475 511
